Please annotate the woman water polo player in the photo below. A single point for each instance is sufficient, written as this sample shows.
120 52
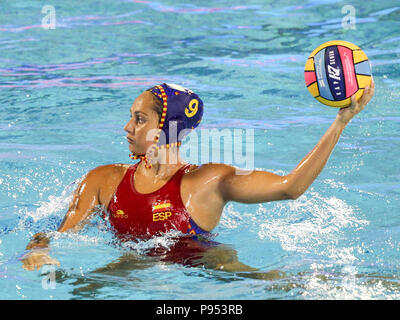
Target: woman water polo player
161 192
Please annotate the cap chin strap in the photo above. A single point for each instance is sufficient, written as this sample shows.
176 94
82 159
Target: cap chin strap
147 158
142 157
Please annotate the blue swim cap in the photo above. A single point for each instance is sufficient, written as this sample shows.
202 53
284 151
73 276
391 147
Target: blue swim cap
182 108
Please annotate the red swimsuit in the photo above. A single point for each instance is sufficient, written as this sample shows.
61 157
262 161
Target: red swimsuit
140 215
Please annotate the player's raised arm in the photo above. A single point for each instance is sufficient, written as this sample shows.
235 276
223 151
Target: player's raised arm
261 186
253 187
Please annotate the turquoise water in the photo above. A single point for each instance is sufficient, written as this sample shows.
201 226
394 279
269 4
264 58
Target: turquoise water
65 95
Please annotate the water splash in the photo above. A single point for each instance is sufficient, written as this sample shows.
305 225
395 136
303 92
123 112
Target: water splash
313 222
47 214
163 242
349 284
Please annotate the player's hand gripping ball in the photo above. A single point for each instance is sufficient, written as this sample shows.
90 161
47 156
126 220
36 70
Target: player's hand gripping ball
335 71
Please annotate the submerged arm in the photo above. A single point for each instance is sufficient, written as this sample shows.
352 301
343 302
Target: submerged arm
84 201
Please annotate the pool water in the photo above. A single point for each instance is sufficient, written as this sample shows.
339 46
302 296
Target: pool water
65 95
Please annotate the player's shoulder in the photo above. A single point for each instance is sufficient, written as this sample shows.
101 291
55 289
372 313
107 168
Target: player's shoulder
211 169
112 168
107 172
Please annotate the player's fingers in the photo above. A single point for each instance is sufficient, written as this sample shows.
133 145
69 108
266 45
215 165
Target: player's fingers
365 96
372 87
353 101
369 92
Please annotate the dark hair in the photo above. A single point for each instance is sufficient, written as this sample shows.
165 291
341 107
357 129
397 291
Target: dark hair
157 105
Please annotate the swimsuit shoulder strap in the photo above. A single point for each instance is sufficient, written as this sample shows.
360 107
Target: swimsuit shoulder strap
177 177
